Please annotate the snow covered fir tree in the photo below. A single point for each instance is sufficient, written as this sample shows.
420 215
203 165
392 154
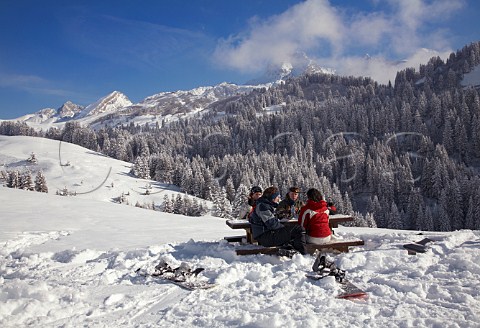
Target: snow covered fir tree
403 155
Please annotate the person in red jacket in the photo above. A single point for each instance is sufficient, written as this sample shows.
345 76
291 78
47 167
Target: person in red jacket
314 218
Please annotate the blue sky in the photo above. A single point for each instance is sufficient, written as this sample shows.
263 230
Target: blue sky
54 51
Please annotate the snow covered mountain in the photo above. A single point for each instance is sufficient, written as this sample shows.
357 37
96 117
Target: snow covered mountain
115 108
300 64
108 104
69 111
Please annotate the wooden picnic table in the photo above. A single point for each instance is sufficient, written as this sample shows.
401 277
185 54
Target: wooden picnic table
334 220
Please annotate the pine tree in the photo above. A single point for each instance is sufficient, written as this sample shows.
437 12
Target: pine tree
476 135
447 138
376 209
239 200
178 205
221 205
470 218
347 204
141 168
211 186
196 207
230 189
187 206
415 202
473 214
455 208
167 204
370 220
203 208
394 218
427 223
360 220
32 159
443 222
26 181
419 225
13 179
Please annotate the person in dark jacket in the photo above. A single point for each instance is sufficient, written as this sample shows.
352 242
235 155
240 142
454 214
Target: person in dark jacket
249 206
290 206
268 230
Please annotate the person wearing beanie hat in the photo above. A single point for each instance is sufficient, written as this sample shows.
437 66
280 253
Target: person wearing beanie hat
267 229
249 207
290 206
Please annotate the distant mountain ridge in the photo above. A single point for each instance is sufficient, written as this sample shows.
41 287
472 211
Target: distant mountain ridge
116 108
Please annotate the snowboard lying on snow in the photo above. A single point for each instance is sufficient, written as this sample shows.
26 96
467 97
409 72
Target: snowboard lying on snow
324 268
182 276
417 247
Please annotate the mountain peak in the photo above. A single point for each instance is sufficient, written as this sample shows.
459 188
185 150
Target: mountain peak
298 65
68 110
110 103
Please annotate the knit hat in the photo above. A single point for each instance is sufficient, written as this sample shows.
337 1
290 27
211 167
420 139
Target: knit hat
255 189
274 195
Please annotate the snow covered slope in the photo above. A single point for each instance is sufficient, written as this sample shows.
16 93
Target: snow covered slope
472 79
79 170
71 262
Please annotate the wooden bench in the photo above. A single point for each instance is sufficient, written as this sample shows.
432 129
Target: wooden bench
336 247
235 239
334 220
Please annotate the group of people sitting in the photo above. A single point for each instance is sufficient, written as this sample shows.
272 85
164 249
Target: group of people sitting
266 212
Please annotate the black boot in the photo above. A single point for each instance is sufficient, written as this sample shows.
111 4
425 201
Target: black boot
319 263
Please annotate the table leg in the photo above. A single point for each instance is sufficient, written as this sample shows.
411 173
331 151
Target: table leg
250 239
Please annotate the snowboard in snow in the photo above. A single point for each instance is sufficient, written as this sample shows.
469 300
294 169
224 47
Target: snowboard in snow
189 284
348 289
323 267
417 247
183 276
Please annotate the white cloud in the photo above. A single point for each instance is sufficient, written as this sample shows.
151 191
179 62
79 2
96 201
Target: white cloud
309 25
409 19
19 81
339 39
379 68
32 84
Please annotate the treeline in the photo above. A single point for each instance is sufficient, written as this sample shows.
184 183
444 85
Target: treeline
407 154
23 179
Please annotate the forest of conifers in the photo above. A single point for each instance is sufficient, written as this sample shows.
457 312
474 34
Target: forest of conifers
404 155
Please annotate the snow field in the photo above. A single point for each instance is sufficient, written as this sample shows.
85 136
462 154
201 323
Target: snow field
72 261
100 288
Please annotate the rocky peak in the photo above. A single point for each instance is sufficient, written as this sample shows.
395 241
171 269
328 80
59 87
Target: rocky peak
69 109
